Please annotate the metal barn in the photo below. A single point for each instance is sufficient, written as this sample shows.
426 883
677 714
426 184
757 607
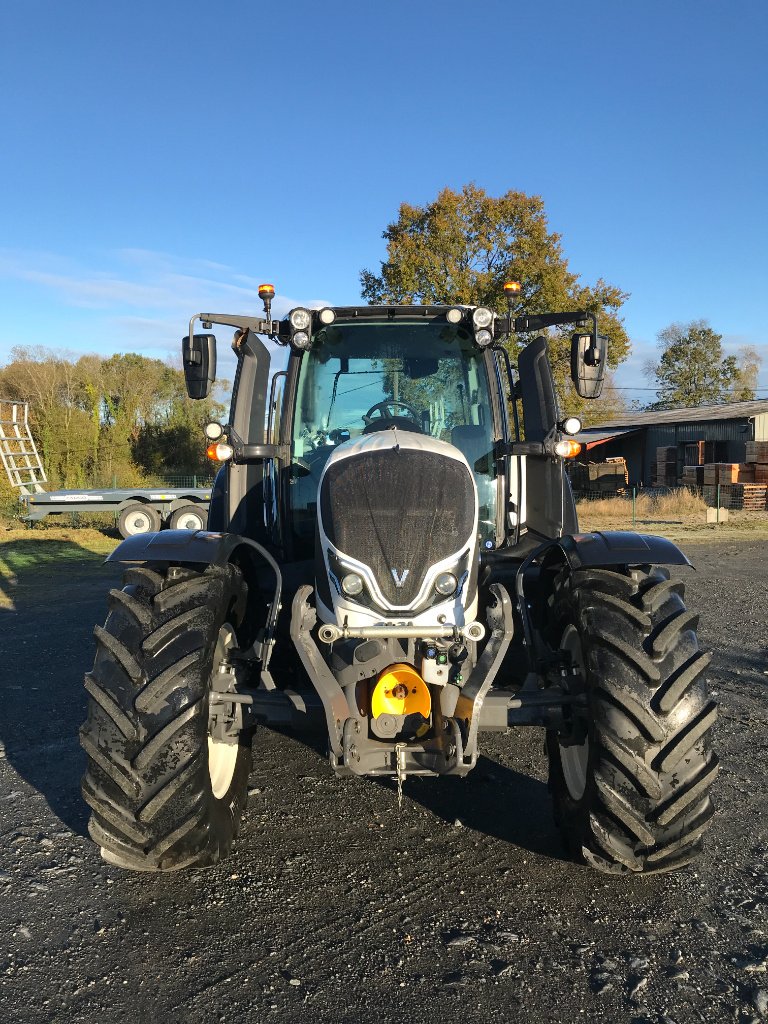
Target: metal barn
636 436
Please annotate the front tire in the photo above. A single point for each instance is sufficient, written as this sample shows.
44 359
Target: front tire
160 797
631 794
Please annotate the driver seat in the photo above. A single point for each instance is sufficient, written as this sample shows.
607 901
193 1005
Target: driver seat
400 422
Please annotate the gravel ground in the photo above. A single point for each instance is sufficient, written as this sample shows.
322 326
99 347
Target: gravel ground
336 906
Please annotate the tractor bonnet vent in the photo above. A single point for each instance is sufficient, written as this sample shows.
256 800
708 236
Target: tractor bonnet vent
398 511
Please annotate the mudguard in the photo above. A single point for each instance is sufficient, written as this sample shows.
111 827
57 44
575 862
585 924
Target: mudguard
178 546
587 550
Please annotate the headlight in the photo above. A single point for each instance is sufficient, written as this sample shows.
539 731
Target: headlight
483 338
352 584
446 584
300 340
300 319
482 317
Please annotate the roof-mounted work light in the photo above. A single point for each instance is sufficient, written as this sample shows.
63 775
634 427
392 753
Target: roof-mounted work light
300 321
455 315
482 321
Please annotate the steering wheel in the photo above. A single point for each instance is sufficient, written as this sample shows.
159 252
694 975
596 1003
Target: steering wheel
387 410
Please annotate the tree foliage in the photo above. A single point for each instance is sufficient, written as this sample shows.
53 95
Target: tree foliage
692 369
748 363
463 246
96 420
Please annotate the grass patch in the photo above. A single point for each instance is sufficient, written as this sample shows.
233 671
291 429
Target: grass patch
679 514
26 550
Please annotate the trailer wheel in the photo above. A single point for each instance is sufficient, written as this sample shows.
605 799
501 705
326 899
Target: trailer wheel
630 776
138 518
189 517
164 793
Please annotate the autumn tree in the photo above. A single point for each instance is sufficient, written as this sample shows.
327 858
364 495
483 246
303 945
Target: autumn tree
692 369
463 246
748 363
96 420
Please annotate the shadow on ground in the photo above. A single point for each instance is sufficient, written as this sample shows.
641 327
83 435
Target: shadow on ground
47 612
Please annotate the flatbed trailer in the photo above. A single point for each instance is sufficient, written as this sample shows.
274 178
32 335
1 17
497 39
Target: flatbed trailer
137 510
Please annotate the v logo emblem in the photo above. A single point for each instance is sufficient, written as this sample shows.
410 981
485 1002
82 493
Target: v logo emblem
400 580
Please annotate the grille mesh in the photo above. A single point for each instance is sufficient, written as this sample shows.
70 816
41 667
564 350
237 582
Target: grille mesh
400 510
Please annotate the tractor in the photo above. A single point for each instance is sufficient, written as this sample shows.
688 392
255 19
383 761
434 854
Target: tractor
393 556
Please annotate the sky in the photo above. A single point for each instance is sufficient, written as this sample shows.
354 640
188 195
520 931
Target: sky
163 158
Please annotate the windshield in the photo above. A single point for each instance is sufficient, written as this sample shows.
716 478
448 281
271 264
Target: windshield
361 377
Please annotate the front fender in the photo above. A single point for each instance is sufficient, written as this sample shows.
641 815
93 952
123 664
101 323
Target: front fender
588 550
178 547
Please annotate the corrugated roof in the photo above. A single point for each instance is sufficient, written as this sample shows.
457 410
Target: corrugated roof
701 414
592 436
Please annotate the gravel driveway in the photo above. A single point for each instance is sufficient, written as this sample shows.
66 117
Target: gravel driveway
338 907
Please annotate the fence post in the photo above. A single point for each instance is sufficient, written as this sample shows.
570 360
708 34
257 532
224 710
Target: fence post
634 496
114 481
194 481
718 503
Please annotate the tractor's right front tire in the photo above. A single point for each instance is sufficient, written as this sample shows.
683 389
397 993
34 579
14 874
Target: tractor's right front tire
163 794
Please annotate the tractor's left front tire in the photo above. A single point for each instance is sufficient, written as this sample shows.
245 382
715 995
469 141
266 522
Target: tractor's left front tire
631 780
163 793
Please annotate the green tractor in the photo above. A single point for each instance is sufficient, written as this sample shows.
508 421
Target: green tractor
387 559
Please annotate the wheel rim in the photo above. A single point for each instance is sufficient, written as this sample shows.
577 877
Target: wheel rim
574 759
137 522
222 757
190 521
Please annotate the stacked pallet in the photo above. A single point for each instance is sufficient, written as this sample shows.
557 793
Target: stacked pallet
665 468
595 478
751 497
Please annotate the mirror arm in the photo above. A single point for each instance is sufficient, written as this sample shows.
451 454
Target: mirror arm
271 328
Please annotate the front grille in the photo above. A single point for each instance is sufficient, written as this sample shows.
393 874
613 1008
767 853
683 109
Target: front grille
398 511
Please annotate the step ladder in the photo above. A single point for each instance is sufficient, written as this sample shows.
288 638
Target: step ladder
18 452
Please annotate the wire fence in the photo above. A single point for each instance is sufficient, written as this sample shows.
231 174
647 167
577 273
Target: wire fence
675 505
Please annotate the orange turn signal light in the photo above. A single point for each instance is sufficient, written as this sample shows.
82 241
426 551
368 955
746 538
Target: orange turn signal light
266 291
219 452
567 449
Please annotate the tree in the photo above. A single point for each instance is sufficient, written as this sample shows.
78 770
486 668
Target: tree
749 362
462 247
692 370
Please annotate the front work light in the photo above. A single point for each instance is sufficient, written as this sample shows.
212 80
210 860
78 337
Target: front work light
326 316
567 449
482 317
483 338
300 321
213 431
454 316
571 425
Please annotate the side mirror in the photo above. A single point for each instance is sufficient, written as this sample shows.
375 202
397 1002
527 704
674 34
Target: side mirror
589 354
199 359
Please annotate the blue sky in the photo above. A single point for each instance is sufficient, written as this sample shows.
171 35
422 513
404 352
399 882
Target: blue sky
164 158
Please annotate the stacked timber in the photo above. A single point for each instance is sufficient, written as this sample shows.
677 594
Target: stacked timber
757 456
729 473
693 476
665 471
598 478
